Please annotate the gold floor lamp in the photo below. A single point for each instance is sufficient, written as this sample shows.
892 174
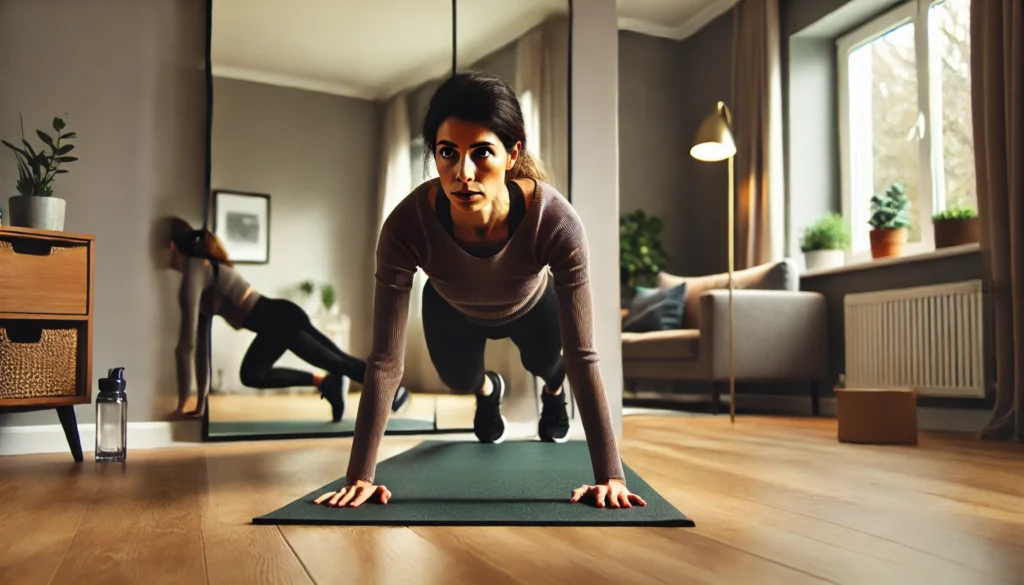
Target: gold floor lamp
712 143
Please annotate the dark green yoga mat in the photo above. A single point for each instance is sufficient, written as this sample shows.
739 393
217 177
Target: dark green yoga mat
312 427
520 483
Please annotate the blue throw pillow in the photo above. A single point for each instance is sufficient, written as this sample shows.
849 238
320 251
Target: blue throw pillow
654 309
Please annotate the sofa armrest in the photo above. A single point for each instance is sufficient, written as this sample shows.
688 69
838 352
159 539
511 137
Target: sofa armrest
777 335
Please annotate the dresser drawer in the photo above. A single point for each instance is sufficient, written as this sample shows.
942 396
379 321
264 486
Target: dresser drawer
43 275
41 359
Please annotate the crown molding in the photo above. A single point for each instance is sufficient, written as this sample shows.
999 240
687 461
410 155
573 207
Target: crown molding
244 74
693 24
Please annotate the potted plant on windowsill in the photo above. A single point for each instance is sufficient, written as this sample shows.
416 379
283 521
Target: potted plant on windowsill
825 242
955 226
35 206
890 221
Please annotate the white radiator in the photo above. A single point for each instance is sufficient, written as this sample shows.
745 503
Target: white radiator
928 338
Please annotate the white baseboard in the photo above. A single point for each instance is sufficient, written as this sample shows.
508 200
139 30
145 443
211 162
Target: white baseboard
35 439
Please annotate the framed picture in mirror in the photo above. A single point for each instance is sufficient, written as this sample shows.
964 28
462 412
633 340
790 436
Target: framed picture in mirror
242 223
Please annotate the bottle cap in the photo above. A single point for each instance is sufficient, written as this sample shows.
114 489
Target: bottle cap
114 382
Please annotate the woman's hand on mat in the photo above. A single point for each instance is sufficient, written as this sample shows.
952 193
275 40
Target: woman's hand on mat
354 495
612 493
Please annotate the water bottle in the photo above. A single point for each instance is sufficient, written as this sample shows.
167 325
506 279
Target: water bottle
112 417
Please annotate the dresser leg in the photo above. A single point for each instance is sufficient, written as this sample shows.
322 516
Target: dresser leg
70 424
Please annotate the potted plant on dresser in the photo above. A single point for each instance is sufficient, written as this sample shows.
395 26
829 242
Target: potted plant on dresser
955 226
35 206
825 243
890 221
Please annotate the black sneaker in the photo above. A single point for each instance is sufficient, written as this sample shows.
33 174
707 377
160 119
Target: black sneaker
402 398
331 389
488 423
554 421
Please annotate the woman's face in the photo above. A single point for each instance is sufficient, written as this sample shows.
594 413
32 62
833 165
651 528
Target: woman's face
471 162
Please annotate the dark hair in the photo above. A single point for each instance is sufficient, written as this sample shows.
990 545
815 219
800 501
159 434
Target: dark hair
482 99
197 243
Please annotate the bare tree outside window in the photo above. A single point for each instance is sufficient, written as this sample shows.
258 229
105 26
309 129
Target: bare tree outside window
883 105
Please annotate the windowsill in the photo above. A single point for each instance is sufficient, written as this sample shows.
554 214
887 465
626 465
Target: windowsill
921 257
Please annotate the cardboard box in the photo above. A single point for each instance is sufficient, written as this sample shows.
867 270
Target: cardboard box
881 416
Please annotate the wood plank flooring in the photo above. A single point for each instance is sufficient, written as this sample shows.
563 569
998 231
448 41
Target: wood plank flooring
776 500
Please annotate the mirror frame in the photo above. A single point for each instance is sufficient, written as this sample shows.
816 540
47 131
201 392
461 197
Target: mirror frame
208 202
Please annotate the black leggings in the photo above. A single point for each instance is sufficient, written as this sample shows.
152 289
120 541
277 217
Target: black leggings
456 344
280 326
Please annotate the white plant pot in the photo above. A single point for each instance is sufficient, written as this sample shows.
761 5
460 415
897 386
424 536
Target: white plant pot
824 259
41 213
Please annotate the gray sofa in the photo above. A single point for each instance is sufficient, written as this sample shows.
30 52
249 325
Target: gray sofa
780 333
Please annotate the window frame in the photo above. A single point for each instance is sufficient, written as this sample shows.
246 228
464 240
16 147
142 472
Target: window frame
929 86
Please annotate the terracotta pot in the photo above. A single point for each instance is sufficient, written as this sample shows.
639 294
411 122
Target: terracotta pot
955 232
886 243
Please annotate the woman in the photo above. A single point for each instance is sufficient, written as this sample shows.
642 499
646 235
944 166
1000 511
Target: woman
506 257
211 286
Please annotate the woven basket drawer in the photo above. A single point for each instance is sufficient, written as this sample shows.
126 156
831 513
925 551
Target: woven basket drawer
43 276
39 361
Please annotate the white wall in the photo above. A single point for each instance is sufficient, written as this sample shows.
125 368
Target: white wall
595 175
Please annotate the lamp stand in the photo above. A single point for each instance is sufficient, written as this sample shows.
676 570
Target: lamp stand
732 370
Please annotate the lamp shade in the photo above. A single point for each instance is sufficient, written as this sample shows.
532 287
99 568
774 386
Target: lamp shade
713 141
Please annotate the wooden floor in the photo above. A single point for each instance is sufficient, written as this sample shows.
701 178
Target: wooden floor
776 500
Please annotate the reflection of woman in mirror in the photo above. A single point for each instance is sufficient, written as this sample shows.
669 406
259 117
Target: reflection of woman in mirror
506 256
211 286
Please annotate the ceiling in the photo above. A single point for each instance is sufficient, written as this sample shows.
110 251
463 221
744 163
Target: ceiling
334 46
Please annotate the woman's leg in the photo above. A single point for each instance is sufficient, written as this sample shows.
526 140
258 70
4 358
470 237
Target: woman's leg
538 337
456 348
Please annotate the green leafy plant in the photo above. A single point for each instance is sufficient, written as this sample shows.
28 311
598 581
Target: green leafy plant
641 255
38 169
828 233
890 210
307 287
328 295
955 212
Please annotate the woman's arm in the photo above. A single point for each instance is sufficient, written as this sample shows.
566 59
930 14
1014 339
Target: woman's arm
397 261
189 297
566 252
202 361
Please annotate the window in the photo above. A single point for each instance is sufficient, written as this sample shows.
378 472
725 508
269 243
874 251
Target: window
905 116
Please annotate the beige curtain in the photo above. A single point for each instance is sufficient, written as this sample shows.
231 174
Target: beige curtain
997 94
542 83
757 119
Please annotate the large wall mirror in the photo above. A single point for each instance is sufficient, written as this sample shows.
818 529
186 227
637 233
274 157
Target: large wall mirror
314 139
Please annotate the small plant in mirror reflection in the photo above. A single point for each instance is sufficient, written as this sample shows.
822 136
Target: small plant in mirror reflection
328 296
37 170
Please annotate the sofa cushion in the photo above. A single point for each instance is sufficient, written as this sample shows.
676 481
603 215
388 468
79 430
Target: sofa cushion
655 309
781 275
675 344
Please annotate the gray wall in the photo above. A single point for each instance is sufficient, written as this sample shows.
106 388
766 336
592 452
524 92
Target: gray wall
316 155
653 106
706 65
129 76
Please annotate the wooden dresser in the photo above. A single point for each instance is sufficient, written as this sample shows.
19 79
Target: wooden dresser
46 304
